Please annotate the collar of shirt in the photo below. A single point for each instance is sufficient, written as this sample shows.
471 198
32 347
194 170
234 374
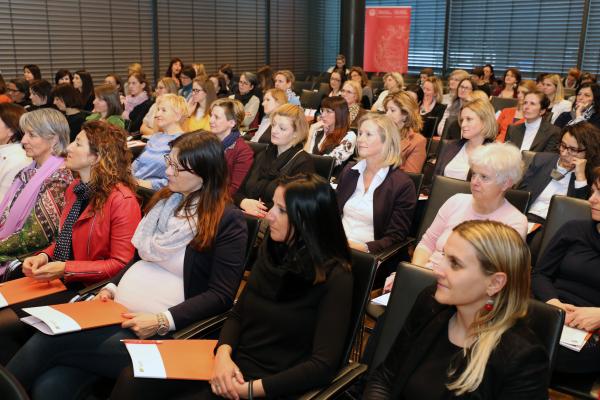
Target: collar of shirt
361 166
535 125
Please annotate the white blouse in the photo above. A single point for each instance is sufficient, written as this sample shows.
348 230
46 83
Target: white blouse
12 160
458 167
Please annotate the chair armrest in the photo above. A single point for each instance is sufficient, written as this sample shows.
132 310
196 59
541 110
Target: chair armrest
391 251
202 328
343 380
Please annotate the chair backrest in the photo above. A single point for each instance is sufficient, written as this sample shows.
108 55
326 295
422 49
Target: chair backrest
257 147
527 157
323 165
253 224
310 100
299 86
429 126
451 129
546 322
563 209
418 182
500 103
410 280
10 388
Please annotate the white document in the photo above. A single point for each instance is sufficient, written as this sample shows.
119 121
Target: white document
50 321
3 302
573 338
382 300
146 361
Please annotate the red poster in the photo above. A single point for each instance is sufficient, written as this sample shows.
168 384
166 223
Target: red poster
387 31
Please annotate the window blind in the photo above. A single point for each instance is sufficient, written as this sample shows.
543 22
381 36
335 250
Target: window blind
591 51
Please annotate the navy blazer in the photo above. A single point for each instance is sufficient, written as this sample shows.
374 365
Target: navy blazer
546 138
393 205
537 177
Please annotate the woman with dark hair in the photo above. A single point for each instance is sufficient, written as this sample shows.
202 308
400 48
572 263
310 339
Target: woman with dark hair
416 92
107 106
331 135
246 94
357 74
511 81
100 216
137 102
4 98
220 85
40 93
203 95
488 74
68 100
226 71
82 81
284 335
12 155
272 100
174 69
18 90
191 243
115 80
186 77
340 65
586 107
336 81
31 72
63 76
264 75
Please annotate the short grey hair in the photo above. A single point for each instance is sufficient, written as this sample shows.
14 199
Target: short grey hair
48 123
502 158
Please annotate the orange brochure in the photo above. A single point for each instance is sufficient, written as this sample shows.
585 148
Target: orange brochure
19 290
172 359
73 317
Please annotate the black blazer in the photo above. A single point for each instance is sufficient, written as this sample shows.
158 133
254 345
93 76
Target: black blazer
517 369
393 205
566 117
546 138
211 278
437 111
136 116
537 177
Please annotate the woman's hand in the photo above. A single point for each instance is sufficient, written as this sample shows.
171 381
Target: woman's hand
564 306
586 318
227 380
50 271
143 325
254 207
580 108
104 295
32 263
144 183
580 168
389 283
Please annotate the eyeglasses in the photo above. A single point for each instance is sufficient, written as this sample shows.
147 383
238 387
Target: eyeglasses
335 79
12 90
245 83
465 87
196 91
571 150
170 163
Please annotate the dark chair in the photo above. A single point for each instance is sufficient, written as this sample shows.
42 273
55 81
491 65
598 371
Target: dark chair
546 322
144 195
257 147
323 165
10 388
299 86
451 129
527 157
500 103
429 126
310 100
324 89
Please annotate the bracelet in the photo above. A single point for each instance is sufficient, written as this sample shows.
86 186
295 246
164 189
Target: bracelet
250 389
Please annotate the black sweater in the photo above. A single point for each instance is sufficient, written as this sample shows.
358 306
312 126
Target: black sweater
568 269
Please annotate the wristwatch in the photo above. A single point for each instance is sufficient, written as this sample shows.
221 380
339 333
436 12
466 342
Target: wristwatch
163 324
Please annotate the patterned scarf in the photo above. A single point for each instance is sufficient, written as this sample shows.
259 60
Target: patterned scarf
354 109
132 102
64 245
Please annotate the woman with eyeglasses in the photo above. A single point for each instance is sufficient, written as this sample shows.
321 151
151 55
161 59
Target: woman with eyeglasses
203 95
352 92
464 90
18 91
246 95
336 80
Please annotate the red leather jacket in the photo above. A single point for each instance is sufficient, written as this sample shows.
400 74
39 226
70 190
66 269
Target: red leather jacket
102 240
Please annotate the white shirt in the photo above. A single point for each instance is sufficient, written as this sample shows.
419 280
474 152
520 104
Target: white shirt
530 131
559 108
12 160
458 167
357 215
379 103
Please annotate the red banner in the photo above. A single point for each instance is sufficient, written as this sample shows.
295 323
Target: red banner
387 31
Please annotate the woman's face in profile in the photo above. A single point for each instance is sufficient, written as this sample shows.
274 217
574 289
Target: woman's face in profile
595 201
277 216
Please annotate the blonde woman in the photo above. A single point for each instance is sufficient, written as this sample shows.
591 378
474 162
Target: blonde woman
455 77
203 95
464 337
393 83
272 100
164 86
553 88
352 92
433 94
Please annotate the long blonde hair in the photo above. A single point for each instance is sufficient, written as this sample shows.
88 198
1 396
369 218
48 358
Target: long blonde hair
499 248
559 95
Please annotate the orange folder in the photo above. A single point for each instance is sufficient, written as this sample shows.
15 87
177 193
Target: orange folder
19 290
181 359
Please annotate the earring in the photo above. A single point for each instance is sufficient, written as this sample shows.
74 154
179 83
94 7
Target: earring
489 305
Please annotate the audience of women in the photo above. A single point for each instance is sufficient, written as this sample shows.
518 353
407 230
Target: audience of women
272 100
107 106
566 276
511 81
31 72
586 107
245 94
18 91
40 93
174 70
137 102
357 74
226 116
12 155
82 81
352 92
466 337
203 95
477 126
285 156
336 80
375 197
537 133
192 245
432 106
188 73
393 83
553 88
331 135
31 208
100 216
514 115
149 168
165 85
464 89
285 334
284 80
404 111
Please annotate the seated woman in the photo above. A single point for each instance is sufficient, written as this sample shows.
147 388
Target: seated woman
246 95
82 81
352 92
336 80
68 100
284 335
375 197
586 108
174 70
284 80
514 115
203 95
455 77
553 88
220 85
107 106
226 116
331 135
31 208
566 277
464 90
357 74
137 102
11 152
18 91
149 168
97 223
571 81
272 100
404 111
511 81
393 83
537 133
264 76
40 93
115 80
477 126
465 337
284 156
63 76
164 86
187 76
432 106
31 72
192 245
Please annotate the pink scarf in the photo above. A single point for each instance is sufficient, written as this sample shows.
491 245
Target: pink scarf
132 102
22 206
